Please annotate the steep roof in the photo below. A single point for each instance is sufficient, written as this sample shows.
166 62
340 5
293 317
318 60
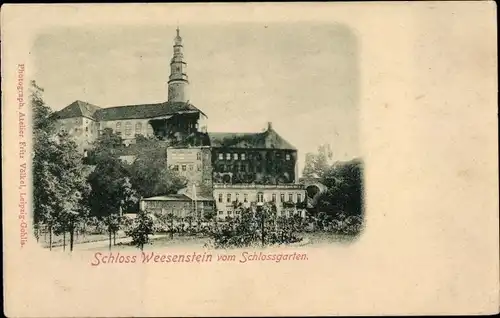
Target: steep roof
144 111
268 139
84 109
78 109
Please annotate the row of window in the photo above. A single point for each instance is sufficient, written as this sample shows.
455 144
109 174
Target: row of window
185 167
243 156
128 128
260 197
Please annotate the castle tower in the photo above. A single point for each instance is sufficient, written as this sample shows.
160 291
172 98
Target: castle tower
178 80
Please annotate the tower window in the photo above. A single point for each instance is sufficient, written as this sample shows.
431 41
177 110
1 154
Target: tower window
235 156
287 156
228 156
221 156
243 156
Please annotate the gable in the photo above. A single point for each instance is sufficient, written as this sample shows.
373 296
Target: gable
77 109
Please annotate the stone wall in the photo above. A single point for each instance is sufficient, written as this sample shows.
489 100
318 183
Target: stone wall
83 130
188 162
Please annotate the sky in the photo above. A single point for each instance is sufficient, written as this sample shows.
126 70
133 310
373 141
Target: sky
302 77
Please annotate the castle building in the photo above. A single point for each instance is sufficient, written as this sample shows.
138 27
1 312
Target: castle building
223 170
174 119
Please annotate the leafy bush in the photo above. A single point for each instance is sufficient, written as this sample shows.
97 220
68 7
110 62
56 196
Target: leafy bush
258 226
140 230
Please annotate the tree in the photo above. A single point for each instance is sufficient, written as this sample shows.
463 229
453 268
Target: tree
141 228
344 197
317 164
111 190
57 170
44 181
105 146
149 173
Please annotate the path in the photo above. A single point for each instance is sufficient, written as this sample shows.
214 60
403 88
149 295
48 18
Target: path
101 244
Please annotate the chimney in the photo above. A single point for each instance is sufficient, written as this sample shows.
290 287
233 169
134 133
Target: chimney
269 125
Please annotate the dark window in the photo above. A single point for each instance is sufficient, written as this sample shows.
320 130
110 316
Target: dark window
282 197
274 197
220 197
184 167
229 197
290 197
245 197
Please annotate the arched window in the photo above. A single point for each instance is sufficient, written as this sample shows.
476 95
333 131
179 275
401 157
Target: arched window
138 128
128 128
150 131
